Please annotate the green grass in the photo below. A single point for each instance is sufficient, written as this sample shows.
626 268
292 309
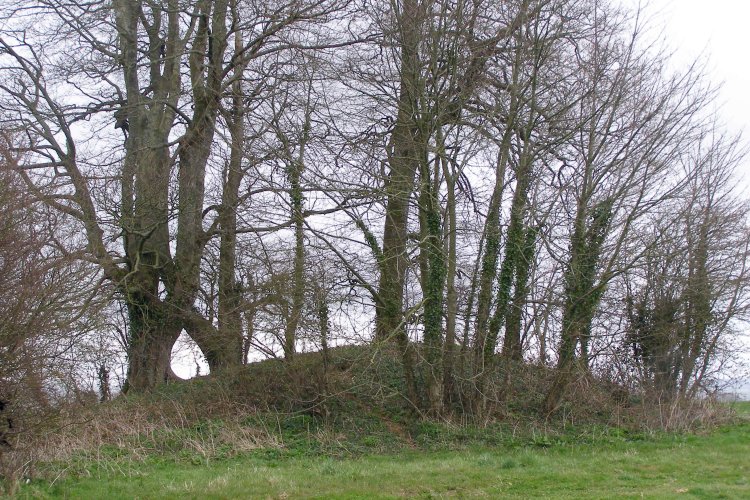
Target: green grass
596 464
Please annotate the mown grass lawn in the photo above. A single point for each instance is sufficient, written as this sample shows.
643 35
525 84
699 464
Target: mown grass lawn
611 465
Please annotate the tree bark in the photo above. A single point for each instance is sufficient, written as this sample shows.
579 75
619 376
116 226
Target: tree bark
451 301
150 344
230 291
582 293
405 155
433 279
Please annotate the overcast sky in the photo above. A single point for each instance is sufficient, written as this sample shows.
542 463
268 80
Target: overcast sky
719 31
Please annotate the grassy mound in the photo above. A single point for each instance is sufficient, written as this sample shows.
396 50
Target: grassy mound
346 404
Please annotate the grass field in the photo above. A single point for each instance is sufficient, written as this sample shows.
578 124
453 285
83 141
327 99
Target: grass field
602 464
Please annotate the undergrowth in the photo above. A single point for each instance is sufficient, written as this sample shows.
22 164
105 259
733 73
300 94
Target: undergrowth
275 411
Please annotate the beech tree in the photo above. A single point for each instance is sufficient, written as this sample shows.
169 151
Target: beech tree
162 70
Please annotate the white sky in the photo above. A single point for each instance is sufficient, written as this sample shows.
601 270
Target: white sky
717 31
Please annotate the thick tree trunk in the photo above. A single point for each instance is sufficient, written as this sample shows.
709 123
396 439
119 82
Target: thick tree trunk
151 338
155 325
433 282
206 72
230 291
405 155
406 152
146 241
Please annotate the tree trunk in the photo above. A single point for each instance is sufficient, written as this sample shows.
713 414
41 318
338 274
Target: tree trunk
582 293
698 310
230 291
146 176
206 77
151 338
295 169
433 280
512 348
491 255
451 306
404 157
484 344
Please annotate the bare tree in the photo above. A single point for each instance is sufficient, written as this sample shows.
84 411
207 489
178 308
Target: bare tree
685 299
47 308
632 125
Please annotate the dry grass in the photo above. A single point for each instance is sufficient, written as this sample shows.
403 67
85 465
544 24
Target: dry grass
120 436
680 415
